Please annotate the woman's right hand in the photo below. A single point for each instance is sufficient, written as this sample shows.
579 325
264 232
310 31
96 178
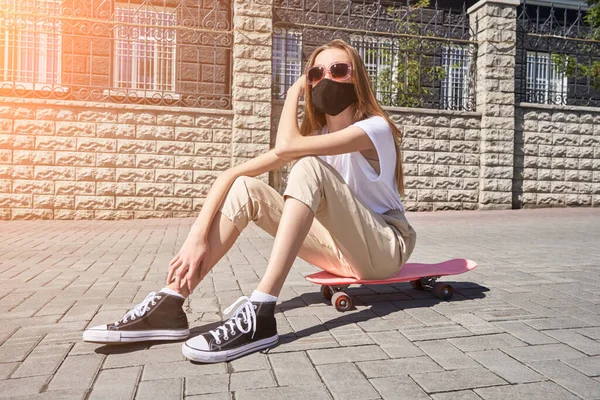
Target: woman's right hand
188 261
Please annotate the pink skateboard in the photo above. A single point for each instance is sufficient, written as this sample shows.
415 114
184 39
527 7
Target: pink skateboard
420 276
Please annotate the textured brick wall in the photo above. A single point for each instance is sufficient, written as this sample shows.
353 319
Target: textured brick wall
67 160
557 156
441 159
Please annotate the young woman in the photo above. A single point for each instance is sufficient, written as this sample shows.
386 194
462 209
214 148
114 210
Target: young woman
341 211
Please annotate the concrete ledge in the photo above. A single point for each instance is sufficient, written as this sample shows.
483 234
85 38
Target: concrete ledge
556 107
481 3
103 105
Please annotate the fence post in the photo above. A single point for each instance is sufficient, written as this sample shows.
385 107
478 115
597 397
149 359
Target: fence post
494 26
251 81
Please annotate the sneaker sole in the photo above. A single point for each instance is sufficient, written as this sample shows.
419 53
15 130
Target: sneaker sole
226 355
134 336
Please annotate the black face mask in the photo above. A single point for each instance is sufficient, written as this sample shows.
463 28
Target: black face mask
331 97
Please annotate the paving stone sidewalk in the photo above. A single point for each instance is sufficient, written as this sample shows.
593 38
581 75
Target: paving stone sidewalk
524 325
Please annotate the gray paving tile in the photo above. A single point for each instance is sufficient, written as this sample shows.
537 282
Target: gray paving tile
460 379
543 352
317 392
398 387
569 378
345 381
486 342
445 354
435 332
76 372
251 380
180 369
588 365
395 344
506 367
162 389
346 354
576 340
536 390
251 362
293 369
524 332
43 360
23 386
207 384
7 369
458 395
118 383
400 366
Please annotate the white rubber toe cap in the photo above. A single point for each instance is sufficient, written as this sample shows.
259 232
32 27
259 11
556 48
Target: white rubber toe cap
198 343
98 328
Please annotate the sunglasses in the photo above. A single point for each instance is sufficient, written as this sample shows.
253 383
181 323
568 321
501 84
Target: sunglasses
338 71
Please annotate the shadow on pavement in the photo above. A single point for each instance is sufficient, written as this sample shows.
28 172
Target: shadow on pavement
381 305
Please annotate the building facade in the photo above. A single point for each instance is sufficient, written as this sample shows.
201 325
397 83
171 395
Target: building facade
131 109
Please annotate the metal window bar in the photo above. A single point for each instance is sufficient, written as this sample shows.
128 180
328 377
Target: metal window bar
145 55
558 56
287 60
546 82
30 47
455 84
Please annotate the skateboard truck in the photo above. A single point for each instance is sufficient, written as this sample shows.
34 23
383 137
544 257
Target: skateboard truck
342 302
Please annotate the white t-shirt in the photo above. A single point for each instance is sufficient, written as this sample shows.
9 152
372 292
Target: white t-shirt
377 191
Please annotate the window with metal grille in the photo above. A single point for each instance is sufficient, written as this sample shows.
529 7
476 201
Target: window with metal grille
546 81
455 83
30 45
377 55
144 49
287 60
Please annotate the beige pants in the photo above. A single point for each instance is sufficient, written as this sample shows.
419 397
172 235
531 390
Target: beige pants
346 237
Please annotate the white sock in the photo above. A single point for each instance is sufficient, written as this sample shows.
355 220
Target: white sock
261 297
171 292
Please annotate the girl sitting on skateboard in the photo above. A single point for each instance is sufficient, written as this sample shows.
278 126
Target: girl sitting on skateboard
341 211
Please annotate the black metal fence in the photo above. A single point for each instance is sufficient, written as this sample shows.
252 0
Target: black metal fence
163 52
558 57
417 55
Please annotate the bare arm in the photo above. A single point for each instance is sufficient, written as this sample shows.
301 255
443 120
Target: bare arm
291 145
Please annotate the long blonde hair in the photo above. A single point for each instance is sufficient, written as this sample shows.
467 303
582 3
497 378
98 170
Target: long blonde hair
365 107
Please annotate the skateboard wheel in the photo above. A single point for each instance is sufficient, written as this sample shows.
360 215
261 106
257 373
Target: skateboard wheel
418 285
341 301
326 292
443 291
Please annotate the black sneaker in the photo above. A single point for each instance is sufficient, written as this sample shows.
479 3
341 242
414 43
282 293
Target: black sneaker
159 317
251 328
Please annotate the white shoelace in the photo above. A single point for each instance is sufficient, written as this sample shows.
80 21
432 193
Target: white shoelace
246 311
140 309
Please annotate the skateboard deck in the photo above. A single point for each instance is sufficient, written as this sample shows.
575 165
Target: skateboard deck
421 277
409 272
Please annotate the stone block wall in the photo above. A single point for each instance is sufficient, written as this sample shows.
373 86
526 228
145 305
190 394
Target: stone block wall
557 156
69 160
440 152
